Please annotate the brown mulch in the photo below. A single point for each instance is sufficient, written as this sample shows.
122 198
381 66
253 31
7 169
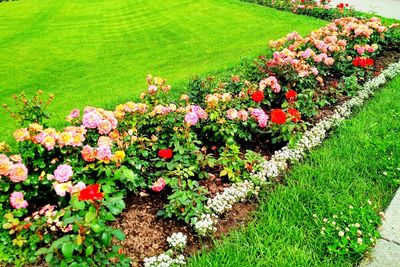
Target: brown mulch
146 233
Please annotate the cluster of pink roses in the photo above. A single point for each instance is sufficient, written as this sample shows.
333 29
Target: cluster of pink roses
234 114
194 114
260 117
68 187
361 49
17 200
102 153
52 218
13 168
304 55
354 27
62 176
155 84
50 137
212 100
97 118
130 108
271 82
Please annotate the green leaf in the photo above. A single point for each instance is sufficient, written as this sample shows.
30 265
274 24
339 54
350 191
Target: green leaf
67 249
118 234
116 205
109 217
49 257
41 251
106 238
96 228
90 215
89 250
79 205
128 173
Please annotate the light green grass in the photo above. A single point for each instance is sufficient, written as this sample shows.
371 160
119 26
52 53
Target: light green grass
346 170
99 52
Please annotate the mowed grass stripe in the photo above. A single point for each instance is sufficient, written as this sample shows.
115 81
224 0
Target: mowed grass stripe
347 170
99 52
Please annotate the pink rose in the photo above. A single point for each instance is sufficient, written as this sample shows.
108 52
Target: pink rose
243 115
103 153
5 165
91 120
329 61
152 89
75 113
78 187
104 127
17 200
158 185
232 114
191 119
63 173
314 70
361 50
88 154
18 173
104 141
63 188
201 113
262 120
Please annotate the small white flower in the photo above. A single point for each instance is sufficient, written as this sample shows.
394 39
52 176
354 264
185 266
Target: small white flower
341 233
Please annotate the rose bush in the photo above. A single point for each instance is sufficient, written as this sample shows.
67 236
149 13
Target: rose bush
315 8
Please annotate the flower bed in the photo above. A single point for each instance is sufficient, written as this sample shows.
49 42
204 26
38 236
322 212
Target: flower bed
64 188
315 8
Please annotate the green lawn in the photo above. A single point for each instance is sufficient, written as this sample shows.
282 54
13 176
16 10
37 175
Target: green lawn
347 170
98 52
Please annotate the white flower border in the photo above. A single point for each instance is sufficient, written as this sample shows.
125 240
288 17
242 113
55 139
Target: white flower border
277 165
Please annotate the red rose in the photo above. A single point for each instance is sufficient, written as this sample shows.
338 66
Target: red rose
278 116
296 116
363 62
291 96
356 62
91 192
257 96
165 153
